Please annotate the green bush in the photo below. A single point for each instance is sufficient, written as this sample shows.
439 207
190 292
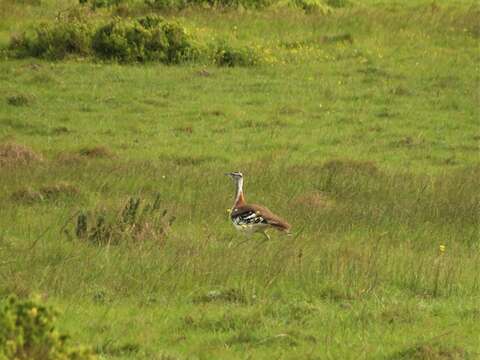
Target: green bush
253 4
309 6
337 3
167 4
55 41
27 331
180 4
225 54
150 38
94 4
313 6
147 39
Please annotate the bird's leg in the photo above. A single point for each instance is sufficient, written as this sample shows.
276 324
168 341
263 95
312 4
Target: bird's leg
248 238
242 242
266 235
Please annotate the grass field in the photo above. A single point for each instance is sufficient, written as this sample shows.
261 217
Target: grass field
361 128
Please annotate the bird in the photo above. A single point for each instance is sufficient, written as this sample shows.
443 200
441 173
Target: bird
252 218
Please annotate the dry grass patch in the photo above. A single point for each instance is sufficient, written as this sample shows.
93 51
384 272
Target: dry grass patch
290 110
96 152
351 167
12 154
60 130
214 113
400 314
47 192
231 295
59 189
191 160
341 38
68 158
314 199
204 73
27 195
184 129
433 351
408 141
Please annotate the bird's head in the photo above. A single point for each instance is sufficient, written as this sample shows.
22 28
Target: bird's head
235 176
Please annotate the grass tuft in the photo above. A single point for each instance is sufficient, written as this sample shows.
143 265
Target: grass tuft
96 152
313 200
434 351
19 100
135 222
231 295
12 154
350 167
47 192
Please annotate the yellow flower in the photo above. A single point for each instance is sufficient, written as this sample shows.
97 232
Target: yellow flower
33 312
442 248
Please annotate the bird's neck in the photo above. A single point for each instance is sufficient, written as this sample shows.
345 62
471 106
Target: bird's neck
239 198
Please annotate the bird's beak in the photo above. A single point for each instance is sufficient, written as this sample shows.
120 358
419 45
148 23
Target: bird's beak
228 174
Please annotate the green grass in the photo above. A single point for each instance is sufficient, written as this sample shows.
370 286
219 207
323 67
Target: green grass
368 146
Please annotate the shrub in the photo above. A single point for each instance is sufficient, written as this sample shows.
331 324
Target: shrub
135 221
179 4
226 55
312 6
55 41
94 4
71 33
27 331
151 38
167 4
254 4
337 3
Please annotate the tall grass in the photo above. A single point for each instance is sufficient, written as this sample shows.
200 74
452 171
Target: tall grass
356 232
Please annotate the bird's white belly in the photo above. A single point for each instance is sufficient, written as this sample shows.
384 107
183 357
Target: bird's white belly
250 228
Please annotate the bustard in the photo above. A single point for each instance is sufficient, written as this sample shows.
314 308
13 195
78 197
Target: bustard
251 218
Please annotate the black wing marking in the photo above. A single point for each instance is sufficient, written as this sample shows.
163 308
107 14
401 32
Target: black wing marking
248 218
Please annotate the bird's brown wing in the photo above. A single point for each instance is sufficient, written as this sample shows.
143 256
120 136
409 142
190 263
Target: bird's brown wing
256 214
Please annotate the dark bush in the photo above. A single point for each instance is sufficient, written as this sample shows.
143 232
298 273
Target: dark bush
147 39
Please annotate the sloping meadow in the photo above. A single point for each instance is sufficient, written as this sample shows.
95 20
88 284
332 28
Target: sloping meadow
201 31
